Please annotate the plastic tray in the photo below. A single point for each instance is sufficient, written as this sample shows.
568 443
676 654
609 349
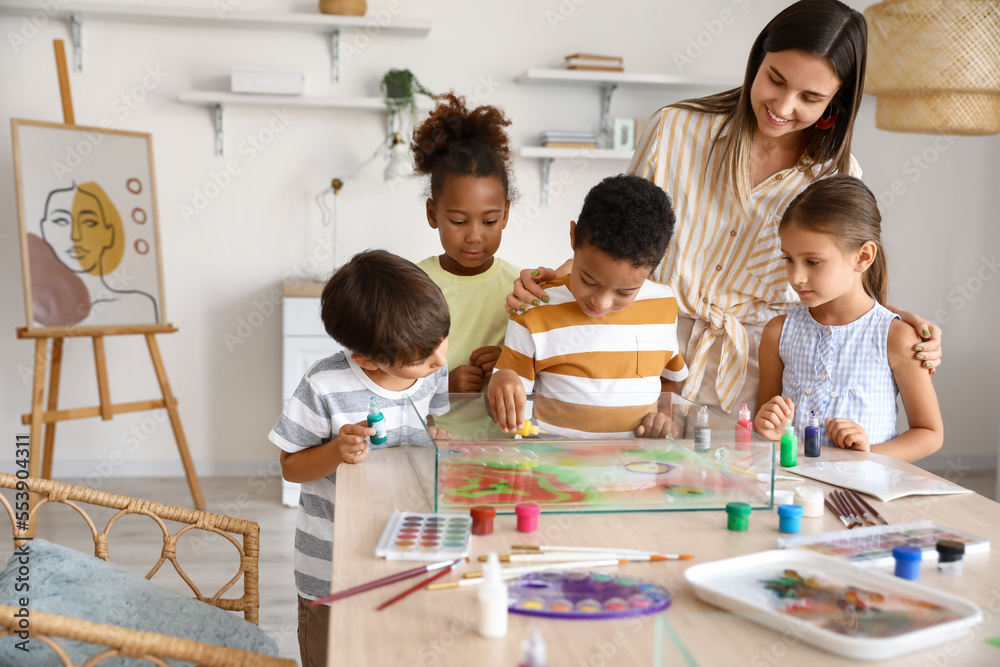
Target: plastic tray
834 605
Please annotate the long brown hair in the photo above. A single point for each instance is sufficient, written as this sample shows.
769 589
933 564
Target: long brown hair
827 29
843 207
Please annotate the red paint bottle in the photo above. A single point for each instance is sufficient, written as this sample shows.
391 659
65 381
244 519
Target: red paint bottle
743 428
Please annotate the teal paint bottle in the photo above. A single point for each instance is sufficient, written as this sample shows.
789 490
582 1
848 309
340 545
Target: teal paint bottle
377 422
789 448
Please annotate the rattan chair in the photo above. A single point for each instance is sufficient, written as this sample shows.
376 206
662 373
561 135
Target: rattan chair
154 647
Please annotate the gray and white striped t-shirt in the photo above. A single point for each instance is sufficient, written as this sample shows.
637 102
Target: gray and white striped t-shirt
333 392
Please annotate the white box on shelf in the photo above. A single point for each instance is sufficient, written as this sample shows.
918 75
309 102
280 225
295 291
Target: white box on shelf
268 80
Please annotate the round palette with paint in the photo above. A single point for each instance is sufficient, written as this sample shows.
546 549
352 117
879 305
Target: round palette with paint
582 594
425 536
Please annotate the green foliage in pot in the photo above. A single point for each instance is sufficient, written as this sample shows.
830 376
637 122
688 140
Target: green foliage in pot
400 88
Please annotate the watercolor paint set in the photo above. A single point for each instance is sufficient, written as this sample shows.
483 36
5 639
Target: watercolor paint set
580 594
424 536
873 545
860 613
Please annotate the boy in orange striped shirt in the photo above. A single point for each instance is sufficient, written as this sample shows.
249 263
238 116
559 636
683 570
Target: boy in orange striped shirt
598 355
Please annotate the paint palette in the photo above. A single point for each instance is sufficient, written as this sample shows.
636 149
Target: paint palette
425 536
581 594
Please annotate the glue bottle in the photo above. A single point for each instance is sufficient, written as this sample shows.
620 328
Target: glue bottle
814 434
702 431
743 428
534 650
492 599
377 422
789 447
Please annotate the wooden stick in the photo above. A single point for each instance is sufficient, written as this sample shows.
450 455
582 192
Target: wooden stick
102 378
417 587
64 91
48 453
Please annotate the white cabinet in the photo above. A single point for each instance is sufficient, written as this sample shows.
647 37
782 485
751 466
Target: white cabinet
304 341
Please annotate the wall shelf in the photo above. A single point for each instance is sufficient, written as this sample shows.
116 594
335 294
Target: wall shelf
608 82
223 16
218 100
547 155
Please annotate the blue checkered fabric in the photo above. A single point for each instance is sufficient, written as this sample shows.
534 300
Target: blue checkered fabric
840 371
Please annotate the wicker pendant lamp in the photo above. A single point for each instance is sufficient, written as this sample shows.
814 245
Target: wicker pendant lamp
935 65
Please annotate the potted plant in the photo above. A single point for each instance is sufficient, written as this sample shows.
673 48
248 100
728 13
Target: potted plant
400 88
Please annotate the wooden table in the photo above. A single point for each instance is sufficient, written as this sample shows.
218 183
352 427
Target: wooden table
439 627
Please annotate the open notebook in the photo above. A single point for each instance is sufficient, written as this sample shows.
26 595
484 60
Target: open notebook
876 479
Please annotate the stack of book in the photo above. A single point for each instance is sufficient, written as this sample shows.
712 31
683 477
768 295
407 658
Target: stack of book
568 139
591 61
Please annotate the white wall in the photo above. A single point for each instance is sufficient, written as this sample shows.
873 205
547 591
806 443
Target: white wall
224 263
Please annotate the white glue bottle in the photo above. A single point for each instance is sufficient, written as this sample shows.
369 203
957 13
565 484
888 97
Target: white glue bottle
702 431
492 599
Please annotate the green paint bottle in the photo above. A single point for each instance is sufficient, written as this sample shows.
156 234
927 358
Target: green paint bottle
377 422
789 447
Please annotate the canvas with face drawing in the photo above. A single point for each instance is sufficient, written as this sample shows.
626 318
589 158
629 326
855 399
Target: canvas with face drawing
90 247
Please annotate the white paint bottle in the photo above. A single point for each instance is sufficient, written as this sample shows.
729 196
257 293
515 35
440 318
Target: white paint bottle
492 599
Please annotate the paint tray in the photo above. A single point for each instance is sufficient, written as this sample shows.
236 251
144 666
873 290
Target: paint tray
856 612
424 536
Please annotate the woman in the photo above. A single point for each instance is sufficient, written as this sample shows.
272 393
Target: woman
732 162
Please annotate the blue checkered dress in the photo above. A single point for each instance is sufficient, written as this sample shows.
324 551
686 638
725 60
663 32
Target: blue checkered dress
840 371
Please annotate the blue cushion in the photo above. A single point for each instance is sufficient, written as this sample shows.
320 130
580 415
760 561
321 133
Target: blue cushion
70 583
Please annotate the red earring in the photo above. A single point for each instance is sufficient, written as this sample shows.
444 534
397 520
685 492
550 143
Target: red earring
827 122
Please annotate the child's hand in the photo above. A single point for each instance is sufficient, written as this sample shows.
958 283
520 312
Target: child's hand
654 425
485 358
847 435
351 442
507 399
773 416
527 291
465 380
438 433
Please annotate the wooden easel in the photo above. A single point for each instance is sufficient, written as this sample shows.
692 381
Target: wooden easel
48 415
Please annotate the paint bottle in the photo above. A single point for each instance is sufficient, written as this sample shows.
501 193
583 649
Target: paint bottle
377 422
738 516
534 649
702 431
907 561
789 518
814 436
743 428
789 448
492 599
950 554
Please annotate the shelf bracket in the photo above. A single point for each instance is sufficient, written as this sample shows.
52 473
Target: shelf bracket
606 130
335 55
546 172
218 130
76 27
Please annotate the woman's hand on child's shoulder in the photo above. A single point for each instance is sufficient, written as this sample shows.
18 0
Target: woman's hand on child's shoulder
352 443
926 350
773 416
527 291
847 434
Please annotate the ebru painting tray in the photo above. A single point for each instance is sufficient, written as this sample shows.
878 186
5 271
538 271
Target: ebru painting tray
834 605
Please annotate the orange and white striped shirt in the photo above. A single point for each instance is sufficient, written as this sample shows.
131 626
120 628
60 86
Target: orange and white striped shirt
574 362
723 263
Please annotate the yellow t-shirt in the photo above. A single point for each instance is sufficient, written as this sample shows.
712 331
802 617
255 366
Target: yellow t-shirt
476 303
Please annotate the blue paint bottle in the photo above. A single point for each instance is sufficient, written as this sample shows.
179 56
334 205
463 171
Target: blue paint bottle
377 422
814 436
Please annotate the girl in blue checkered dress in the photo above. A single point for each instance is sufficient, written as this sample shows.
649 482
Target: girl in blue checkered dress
842 354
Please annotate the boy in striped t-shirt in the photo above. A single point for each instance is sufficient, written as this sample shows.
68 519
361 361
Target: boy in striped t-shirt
604 347
394 322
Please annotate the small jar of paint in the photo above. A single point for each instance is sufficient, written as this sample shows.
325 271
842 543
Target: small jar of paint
950 554
527 517
482 519
789 518
739 516
907 561
810 498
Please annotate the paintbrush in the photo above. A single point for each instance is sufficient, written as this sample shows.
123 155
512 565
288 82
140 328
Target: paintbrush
871 509
836 512
841 510
852 501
